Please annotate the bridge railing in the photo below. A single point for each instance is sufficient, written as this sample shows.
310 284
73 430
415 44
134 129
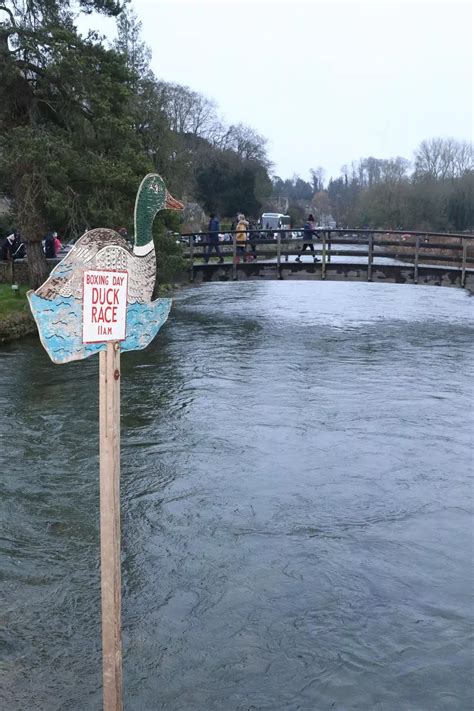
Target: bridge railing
455 250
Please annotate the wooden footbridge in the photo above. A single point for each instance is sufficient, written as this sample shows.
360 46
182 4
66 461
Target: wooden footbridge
401 257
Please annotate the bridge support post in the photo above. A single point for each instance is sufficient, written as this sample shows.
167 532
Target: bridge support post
417 255
191 255
234 256
323 257
464 260
370 257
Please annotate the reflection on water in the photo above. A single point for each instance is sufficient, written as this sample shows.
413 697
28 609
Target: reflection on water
296 496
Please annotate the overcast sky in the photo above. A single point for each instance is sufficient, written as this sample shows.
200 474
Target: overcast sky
325 82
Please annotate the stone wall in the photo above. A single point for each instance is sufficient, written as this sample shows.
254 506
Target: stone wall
20 271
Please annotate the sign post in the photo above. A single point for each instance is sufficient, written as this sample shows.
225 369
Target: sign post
109 428
104 311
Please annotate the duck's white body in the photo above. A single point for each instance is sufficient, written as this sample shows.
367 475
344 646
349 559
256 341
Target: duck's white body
102 249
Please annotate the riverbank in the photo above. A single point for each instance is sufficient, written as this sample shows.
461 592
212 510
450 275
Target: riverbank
16 320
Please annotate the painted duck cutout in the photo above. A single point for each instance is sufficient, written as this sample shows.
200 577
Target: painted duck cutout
57 304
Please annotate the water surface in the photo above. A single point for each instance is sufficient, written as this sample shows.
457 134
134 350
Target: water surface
296 507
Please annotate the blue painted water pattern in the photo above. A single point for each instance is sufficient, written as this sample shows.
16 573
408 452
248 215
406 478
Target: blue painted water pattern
297 529
60 323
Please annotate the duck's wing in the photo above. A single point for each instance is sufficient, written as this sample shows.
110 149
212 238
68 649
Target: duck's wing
141 277
67 277
141 270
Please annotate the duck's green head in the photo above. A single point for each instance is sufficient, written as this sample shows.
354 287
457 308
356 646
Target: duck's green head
152 197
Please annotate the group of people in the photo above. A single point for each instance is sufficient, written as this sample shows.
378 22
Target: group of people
13 246
51 245
242 227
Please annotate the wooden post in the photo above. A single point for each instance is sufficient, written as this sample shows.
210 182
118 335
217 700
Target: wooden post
417 251
234 256
323 257
464 260
329 245
191 255
109 418
278 251
370 257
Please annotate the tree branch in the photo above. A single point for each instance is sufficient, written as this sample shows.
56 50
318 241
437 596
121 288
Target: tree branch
10 13
22 64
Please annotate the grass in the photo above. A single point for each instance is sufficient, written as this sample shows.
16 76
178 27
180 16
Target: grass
12 302
15 316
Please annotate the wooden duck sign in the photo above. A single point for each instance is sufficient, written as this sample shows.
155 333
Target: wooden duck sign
102 290
99 298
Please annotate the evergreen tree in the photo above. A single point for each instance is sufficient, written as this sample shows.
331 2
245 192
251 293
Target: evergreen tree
69 157
132 47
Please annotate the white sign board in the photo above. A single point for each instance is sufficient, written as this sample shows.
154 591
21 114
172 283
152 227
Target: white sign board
104 306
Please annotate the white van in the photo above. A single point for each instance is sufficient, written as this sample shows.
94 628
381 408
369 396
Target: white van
274 221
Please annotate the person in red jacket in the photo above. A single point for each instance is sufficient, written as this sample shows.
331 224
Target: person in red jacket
57 244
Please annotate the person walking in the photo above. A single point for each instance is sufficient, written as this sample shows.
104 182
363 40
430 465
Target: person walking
213 238
308 233
253 234
241 236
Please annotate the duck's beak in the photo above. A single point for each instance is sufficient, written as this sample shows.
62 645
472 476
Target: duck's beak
173 204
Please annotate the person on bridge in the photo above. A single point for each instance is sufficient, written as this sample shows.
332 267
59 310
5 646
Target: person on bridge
241 236
308 233
213 238
253 234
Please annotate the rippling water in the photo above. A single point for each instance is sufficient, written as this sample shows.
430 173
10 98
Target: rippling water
296 507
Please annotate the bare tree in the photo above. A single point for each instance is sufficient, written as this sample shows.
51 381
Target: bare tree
246 142
442 158
464 158
317 178
188 111
321 205
394 170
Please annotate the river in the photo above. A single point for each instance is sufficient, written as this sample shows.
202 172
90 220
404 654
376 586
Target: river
296 507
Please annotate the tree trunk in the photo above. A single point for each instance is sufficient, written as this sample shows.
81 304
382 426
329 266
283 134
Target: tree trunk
37 266
28 194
